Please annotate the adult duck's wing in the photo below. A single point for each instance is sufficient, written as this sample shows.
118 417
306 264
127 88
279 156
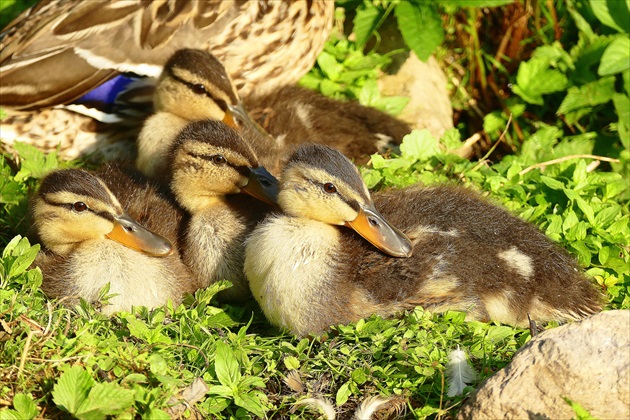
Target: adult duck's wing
61 49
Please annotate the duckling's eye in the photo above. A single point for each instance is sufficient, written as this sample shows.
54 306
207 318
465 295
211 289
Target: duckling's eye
219 160
330 188
79 206
198 88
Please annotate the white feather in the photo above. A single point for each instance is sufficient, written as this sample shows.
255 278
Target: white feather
321 404
369 406
459 373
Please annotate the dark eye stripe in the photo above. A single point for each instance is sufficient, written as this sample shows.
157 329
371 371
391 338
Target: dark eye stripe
195 88
69 206
349 201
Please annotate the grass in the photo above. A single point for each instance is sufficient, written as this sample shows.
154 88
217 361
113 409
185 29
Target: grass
228 362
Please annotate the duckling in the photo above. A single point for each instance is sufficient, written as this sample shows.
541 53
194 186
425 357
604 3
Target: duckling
210 166
193 86
88 240
308 271
76 54
62 49
295 115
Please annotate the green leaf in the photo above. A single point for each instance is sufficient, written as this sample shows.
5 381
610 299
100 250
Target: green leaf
552 183
329 65
451 139
105 399
72 389
594 93
8 414
420 26
477 3
622 107
419 145
291 363
250 382
535 78
25 406
221 390
616 57
583 253
250 403
580 412
158 365
226 365
365 22
612 13
34 164
498 333
603 255
23 261
343 393
607 215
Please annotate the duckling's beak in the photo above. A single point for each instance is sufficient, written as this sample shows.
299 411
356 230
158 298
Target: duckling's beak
374 228
262 185
237 118
131 234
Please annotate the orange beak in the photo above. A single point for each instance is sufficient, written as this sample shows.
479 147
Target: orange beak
262 185
133 235
375 229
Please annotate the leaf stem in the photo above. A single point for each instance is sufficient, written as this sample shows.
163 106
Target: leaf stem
565 158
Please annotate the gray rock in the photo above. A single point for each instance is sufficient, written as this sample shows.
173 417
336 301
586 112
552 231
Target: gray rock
587 362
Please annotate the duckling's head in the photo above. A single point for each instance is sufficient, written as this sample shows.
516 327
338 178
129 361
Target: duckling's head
320 183
194 85
73 206
209 161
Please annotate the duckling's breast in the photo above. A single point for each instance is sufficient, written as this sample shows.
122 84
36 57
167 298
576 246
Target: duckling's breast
135 278
291 264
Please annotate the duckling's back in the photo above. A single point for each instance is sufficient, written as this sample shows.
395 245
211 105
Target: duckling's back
473 256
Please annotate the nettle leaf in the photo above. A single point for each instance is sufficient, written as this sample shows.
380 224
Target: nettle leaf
226 365
451 139
419 145
365 22
421 27
616 57
24 406
535 78
612 13
72 389
589 95
105 399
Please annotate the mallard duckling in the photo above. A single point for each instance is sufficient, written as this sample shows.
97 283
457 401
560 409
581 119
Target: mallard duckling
87 56
88 240
295 115
210 166
308 271
193 86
